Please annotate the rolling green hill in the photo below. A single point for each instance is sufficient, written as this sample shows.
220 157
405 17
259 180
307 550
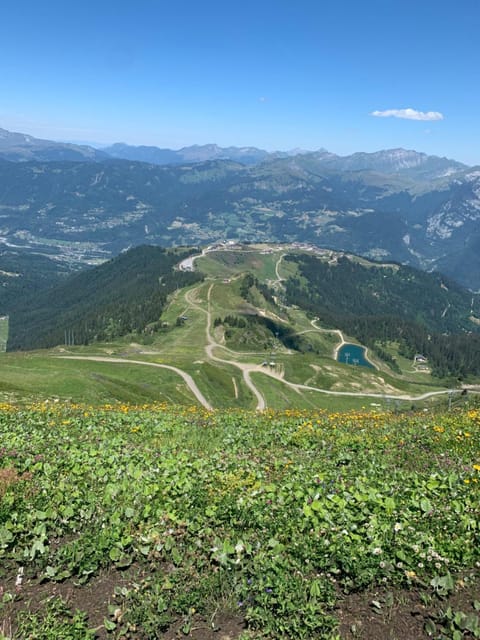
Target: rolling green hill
252 326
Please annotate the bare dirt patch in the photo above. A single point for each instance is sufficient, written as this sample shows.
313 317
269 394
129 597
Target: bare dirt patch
92 598
401 614
377 614
223 626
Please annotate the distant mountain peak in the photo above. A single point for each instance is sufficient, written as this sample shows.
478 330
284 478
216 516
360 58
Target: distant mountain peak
413 164
187 155
21 147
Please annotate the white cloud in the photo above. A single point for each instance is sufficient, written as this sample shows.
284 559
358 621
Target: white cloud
408 114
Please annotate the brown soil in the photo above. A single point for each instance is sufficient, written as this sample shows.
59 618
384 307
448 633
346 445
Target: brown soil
223 626
92 598
383 614
401 614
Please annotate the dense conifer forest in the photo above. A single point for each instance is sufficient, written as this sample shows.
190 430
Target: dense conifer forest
385 304
122 296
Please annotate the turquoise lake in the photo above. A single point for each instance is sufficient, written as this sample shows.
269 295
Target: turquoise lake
353 354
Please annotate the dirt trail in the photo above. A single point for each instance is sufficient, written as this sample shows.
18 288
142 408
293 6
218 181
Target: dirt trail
337 331
279 277
212 344
189 381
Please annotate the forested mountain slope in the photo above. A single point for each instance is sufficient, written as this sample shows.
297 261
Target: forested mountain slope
121 296
379 304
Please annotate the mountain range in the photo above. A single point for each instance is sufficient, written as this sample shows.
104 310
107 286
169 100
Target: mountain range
394 204
20 147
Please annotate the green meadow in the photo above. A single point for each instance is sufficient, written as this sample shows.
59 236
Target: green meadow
124 521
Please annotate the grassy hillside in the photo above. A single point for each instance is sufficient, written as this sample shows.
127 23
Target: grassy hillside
226 341
34 376
153 522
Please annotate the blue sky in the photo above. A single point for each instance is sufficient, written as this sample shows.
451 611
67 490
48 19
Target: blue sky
275 74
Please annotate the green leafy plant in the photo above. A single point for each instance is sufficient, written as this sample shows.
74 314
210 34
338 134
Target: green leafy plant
268 515
455 625
55 620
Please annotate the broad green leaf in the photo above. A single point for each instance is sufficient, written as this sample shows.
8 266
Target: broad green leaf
109 624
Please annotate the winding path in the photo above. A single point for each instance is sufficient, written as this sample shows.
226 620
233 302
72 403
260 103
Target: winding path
189 381
277 264
337 331
211 345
